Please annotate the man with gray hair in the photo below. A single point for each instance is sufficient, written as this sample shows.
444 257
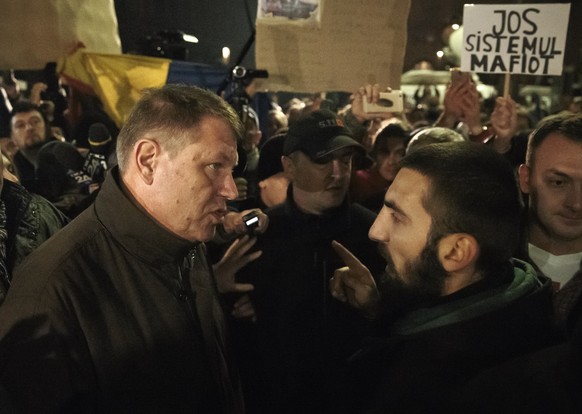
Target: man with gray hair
119 312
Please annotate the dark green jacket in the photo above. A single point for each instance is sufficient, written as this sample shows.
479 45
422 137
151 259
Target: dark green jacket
26 221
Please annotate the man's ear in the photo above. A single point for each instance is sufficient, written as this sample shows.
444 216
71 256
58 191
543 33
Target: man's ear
458 252
524 175
288 167
146 156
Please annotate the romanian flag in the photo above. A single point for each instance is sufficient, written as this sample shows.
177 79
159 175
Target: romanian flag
117 80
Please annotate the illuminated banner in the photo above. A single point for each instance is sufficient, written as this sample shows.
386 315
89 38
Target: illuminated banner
524 39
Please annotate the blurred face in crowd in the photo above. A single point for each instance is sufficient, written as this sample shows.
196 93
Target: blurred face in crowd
554 185
28 130
191 185
274 189
402 229
388 157
322 184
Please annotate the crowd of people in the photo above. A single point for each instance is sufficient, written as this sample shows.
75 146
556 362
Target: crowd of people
334 261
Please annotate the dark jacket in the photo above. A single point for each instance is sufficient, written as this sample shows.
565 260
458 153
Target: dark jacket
116 314
431 351
29 220
303 335
26 171
541 382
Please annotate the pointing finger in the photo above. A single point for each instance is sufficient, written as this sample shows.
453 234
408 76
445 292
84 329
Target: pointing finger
347 257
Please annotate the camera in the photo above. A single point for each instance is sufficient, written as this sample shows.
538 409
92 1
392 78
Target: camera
239 72
251 221
388 102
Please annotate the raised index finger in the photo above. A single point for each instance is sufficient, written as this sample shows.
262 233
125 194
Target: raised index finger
347 257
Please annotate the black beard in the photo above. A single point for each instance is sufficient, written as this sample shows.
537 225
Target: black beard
421 281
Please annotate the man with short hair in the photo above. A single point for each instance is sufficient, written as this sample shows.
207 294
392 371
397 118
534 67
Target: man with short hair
29 131
455 301
303 335
119 311
552 176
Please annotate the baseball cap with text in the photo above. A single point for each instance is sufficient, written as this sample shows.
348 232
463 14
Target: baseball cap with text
318 134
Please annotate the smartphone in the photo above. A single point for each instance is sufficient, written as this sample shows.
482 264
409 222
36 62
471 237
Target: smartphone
388 102
251 221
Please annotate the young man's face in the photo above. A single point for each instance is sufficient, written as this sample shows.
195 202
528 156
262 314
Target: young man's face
402 231
28 130
320 185
554 185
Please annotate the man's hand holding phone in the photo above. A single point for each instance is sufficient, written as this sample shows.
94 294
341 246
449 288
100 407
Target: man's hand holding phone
371 102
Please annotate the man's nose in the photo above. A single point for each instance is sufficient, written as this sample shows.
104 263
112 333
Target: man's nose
228 189
574 199
338 168
380 231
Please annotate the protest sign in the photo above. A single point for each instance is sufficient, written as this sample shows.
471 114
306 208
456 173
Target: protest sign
355 42
526 39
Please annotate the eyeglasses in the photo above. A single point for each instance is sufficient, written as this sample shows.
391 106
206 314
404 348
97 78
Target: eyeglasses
33 122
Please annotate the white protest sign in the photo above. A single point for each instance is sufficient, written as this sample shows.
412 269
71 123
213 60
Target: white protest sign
526 39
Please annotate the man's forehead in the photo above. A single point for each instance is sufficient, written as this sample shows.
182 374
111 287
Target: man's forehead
556 148
26 115
408 188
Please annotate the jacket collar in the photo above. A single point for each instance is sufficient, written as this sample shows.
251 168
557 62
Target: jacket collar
133 228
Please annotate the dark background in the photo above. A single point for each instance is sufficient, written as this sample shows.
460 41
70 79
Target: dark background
219 23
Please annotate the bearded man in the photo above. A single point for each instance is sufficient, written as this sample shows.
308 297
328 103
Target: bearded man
455 300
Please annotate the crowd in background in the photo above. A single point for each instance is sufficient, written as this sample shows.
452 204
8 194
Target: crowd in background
290 332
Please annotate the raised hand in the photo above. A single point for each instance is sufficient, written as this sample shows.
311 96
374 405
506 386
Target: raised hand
354 283
234 259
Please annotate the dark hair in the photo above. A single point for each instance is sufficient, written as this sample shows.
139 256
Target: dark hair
566 124
170 111
472 190
389 131
433 135
24 106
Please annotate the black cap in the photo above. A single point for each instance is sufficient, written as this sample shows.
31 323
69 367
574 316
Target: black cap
318 134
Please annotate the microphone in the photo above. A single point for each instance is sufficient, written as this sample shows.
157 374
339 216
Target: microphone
99 138
99 147
59 170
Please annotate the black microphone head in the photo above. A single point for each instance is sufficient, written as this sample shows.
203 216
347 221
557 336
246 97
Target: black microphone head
59 169
58 155
99 138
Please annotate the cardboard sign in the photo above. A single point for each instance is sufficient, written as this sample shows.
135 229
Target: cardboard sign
526 39
34 32
355 43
